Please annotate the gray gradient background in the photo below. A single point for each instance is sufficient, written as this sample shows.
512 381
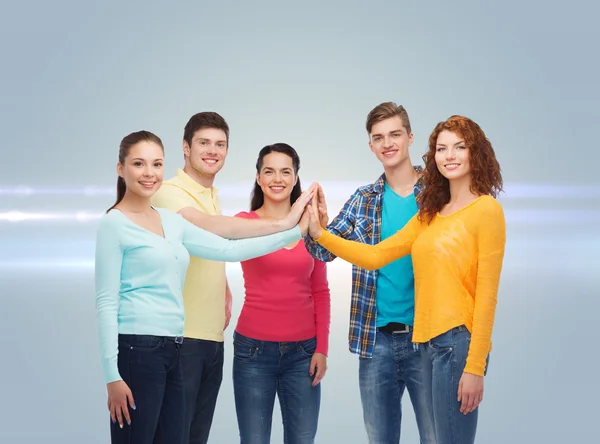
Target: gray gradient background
76 78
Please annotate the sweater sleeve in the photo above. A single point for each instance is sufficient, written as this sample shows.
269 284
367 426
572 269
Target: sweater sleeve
322 303
373 257
109 257
206 245
491 241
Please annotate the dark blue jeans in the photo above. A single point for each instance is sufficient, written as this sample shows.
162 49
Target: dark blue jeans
396 365
263 369
444 359
202 363
150 366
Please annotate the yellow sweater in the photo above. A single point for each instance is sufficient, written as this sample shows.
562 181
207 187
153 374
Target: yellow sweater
457 260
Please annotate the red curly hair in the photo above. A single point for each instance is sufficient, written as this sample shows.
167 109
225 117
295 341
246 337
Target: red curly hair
486 178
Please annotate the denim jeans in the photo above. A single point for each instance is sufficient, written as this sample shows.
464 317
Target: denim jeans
150 366
395 365
202 363
444 359
262 369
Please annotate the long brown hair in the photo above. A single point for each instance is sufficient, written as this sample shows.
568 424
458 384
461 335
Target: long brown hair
486 177
126 144
257 198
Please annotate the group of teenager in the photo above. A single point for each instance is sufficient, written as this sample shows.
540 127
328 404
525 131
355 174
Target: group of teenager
426 244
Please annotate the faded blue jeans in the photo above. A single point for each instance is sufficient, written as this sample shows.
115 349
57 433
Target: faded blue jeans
396 365
264 369
444 359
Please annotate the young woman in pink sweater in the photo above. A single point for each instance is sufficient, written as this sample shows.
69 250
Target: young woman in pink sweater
282 335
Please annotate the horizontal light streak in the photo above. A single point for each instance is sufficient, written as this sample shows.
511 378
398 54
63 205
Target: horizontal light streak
537 216
335 190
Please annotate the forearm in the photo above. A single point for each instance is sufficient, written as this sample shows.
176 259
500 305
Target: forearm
322 321
232 227
317 251
203 244
486 299
108 337
369 257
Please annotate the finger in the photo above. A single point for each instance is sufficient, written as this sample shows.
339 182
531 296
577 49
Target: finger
320 375
470 403
119 416
130 397
460 384
113 416
126 413
313 364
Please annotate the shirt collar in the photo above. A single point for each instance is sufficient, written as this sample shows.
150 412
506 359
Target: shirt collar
193 185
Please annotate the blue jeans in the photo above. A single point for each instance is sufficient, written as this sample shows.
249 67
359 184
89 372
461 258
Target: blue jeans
202 364
262 369
150 366
444 359
395 365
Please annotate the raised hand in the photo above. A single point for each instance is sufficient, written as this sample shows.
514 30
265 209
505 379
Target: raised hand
314 226
293 218
322 206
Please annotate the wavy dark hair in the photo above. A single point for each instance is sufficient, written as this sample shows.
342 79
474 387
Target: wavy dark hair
126 144
486 177
257 198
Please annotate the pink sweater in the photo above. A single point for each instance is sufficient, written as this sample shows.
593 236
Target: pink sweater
287 297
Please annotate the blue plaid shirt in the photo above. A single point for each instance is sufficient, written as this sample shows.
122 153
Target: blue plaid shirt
360 220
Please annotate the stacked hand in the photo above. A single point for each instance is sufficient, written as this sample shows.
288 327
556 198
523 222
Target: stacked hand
317 211
295 216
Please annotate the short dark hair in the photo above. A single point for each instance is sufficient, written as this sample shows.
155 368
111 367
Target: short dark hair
385 111
206 119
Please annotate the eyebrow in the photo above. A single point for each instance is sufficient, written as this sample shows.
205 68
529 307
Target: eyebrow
457 143
393 131
208 140
139 158
283 169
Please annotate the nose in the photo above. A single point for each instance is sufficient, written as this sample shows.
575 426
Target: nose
450 154
387 142
148 171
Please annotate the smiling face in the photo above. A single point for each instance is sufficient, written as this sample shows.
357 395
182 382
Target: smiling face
452 156
206 156
389 140
142 169
277 177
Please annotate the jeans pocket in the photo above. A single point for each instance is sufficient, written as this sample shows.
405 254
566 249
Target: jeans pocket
308 347
142 343
244 348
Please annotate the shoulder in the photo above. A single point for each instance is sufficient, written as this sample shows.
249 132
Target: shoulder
247 215
111 220
490 211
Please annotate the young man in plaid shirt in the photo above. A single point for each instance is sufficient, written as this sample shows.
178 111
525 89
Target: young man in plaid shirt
382 309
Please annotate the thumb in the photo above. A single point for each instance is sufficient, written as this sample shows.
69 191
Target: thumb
313 364
460 385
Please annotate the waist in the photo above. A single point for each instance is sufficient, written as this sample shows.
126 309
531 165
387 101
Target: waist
395 328
138 340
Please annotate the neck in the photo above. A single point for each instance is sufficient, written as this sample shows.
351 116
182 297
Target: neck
205 181
135 204
402 177
275 210
460 190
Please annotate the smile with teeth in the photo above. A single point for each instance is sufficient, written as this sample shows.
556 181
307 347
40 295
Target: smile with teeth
147 184
277 188
210 161
452 166
389 153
